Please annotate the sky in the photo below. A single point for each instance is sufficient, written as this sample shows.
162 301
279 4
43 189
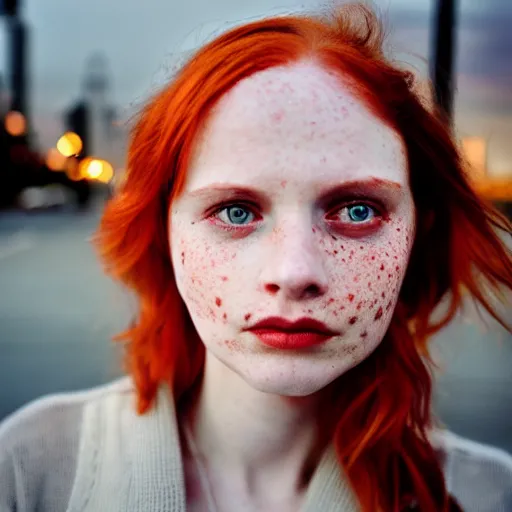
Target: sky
142 43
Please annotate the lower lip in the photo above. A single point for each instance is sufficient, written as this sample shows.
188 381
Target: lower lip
290 340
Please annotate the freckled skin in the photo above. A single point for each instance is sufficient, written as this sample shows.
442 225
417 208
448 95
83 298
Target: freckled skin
289 134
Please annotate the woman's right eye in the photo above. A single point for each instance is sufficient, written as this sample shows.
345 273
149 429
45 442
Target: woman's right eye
236 215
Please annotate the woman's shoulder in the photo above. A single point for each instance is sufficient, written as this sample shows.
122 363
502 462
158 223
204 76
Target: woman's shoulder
40 417
39 446
479 476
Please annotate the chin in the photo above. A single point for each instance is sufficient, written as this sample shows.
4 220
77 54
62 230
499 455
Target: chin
289 379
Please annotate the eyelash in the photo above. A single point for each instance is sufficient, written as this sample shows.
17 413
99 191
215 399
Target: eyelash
335 209
245 205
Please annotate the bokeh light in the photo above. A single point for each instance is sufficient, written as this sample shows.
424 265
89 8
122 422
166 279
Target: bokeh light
96 169
55 160
70 144
15 123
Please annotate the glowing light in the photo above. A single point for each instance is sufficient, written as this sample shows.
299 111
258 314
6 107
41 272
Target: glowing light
107 173
15 123
96 169
73 169
55 160
475 151
70 144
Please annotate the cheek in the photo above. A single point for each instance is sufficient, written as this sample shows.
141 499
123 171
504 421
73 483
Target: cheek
365 282
201 274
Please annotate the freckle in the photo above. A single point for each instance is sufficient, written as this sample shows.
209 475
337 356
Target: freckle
310 311
335 313
351 253
398 229
382 267
378 314
351 297
313 229
378 278
343 260
218 302
342 308
342 247
225 316
364 334
352 320
369 284
231 345
224 278
183 258
247 317
389 275
396 257
356 279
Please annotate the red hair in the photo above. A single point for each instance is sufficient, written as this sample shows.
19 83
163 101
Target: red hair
380 411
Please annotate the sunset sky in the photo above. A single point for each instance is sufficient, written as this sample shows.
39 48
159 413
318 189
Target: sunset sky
142 40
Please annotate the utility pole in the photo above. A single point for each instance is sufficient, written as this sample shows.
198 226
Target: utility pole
17 56
444 47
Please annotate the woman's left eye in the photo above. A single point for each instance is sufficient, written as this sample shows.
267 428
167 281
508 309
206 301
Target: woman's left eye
237 215
357 214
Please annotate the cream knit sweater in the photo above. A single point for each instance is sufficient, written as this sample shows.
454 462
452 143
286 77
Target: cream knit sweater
90 452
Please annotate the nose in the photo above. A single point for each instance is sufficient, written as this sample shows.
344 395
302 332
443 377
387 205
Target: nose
295 270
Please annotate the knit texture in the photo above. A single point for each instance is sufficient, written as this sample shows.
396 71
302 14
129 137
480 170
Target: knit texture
90 451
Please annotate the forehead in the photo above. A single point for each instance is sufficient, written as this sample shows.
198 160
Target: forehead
300 122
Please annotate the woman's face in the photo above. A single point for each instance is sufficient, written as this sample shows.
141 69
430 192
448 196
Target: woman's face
297 206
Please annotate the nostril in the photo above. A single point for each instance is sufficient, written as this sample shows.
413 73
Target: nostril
272 288
312 291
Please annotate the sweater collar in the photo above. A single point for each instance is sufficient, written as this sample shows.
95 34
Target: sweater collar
134 463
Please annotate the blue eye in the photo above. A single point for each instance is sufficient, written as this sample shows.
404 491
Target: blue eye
236 214
358 213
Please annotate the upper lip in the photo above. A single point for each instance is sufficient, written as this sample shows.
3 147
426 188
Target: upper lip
301 325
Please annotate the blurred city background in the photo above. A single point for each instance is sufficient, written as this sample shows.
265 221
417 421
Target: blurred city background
72 74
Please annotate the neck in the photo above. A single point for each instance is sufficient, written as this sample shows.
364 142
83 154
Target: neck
266 443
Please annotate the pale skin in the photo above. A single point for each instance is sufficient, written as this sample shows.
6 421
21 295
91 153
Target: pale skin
296 204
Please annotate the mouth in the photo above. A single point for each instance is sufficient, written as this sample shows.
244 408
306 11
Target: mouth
283 334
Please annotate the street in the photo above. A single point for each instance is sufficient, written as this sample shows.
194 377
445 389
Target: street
58 313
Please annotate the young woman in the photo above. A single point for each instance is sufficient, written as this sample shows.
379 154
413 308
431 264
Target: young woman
292 216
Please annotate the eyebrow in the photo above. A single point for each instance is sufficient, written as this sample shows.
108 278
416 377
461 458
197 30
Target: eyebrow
370 185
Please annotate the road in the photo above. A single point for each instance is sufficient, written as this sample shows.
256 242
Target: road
58 312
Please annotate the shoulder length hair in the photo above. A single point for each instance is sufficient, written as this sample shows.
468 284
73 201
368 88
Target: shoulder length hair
380 411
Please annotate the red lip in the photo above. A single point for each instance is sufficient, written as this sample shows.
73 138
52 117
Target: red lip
284 334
